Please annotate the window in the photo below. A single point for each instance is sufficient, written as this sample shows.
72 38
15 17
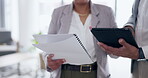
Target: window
11 17
2 14
46 8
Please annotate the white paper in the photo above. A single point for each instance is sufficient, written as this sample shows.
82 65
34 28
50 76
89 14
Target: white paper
63 46
51 38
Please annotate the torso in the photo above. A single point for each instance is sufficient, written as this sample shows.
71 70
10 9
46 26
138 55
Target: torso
142 22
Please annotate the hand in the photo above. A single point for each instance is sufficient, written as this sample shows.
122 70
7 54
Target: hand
126 50
54 64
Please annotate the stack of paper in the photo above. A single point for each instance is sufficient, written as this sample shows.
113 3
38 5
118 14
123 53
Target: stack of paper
64 46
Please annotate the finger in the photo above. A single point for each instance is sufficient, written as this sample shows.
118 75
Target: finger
56 62
104 46
124 43
60 61
52 63
90 27
54 67
108 49
101 45
49 58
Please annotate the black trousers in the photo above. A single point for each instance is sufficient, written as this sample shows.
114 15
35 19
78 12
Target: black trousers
78 74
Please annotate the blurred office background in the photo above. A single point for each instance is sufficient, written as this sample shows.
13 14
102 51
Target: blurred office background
20 19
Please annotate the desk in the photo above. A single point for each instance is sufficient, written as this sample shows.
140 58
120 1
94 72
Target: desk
15 58
7 49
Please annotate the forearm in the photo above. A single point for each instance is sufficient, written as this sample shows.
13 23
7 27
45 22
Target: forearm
133 18
130 22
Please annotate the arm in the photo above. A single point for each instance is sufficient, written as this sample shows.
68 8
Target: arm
126 50
54 24
133 18
112 18
131 25
53 65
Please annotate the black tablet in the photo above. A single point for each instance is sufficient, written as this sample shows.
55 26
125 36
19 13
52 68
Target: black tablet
110 36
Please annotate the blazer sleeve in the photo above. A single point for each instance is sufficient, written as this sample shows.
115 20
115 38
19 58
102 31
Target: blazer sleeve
54 24
133 18
53 29
112 18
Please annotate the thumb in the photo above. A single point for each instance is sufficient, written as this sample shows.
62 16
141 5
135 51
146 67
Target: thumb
90 27
124 43
49 57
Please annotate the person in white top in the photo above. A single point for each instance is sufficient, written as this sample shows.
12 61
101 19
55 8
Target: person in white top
138 24
77 18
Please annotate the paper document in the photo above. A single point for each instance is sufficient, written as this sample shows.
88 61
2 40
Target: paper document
67 46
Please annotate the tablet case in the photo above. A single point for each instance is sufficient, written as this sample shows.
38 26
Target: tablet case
110 36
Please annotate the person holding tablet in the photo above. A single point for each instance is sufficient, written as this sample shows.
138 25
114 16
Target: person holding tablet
138 24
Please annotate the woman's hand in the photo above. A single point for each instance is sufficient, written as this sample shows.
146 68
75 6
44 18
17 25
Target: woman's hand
54 64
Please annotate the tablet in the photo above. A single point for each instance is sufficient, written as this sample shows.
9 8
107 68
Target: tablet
110 36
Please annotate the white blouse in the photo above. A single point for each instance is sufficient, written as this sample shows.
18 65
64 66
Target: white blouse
84 33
